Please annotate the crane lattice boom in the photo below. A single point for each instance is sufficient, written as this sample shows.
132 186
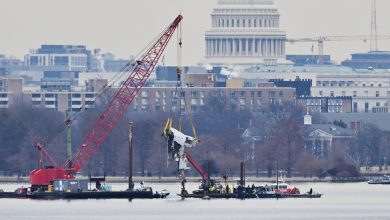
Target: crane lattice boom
123 98
111 115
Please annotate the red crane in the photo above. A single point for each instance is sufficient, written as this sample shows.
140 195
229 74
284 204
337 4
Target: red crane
197 167
110 117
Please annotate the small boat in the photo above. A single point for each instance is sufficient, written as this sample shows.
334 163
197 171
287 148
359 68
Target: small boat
283 190
384 180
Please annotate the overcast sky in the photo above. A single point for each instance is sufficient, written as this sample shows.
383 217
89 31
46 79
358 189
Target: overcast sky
124 27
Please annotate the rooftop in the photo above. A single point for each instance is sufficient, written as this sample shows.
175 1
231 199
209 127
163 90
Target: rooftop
382 121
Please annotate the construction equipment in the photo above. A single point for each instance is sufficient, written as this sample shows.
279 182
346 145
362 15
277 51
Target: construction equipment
321 40
143 67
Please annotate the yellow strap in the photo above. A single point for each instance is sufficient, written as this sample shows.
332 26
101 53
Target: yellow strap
167 127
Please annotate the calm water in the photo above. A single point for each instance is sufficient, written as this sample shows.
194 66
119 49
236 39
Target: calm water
340 201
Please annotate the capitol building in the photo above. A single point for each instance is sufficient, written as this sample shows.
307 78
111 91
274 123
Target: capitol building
245 33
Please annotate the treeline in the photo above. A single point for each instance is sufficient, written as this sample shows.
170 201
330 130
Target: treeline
219 128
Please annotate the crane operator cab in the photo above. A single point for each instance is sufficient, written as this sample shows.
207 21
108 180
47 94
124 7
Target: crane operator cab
177 142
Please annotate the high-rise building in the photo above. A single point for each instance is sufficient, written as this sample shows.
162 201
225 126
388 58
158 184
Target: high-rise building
246 33
58 58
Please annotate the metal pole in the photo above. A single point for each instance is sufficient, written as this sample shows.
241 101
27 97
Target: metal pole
277 176
208 169
242 174
69 137
131 185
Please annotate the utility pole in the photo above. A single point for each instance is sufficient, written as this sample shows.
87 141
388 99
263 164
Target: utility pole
131 184
69 137
277 176
242 174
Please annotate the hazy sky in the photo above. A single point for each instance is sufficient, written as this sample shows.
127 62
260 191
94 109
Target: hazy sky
125 27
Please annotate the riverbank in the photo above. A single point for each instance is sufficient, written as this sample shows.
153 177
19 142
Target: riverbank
110 179
367 173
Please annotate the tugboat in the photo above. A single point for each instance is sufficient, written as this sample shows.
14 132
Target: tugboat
384 180
285 191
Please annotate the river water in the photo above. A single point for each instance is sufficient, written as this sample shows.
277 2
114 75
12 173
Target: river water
340 201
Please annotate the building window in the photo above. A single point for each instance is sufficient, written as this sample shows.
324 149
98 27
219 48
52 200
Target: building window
342 93
89 95
193 108
34 95
50 103
259 94
355 107
252 94
280 93
366 93
378 104
354 93
331 93
194 95
272 94
377 94
242 94
366 107
242 101
321 93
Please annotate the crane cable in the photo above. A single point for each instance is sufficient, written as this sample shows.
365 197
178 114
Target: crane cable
179 76
124 71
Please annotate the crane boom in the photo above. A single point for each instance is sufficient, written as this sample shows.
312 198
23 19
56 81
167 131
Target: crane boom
43 176
320 40
123 98
197 167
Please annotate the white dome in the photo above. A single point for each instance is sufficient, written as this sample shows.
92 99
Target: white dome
245 33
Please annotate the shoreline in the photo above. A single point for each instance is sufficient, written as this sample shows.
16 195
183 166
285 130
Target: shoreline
174 179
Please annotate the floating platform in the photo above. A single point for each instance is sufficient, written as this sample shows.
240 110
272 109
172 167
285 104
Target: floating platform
308 196
88 195
11 195
248 196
